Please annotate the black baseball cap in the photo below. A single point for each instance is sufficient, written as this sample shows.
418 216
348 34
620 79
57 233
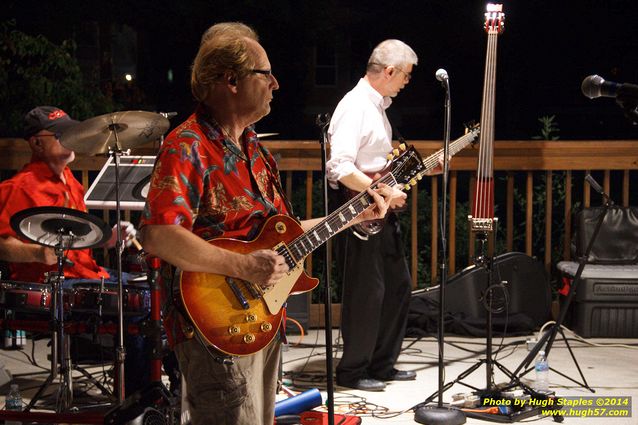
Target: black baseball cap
48 118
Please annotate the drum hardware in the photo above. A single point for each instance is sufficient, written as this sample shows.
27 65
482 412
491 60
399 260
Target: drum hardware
61 229
115 134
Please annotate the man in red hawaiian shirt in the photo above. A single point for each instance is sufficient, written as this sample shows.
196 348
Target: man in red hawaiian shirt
213 178
45 181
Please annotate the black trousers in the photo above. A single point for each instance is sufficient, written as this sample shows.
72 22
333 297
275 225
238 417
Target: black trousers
374 309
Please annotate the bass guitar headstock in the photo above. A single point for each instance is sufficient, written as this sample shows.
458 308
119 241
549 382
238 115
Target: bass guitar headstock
494 19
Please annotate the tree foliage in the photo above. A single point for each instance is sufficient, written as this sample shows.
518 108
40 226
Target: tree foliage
34 71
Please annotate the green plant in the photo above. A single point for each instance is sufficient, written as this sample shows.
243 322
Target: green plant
549 128
34 71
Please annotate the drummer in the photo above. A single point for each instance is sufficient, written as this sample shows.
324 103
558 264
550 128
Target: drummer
46 181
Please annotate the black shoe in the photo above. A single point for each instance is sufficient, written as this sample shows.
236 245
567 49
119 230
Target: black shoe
400 375
364 384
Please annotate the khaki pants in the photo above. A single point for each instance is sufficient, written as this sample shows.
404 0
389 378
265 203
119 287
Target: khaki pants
237 394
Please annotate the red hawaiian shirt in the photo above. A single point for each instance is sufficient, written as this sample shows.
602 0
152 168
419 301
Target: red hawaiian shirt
37 186
204 183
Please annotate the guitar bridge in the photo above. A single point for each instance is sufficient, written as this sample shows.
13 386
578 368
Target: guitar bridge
481 224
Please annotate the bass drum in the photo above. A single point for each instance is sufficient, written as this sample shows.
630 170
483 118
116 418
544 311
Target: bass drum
25 297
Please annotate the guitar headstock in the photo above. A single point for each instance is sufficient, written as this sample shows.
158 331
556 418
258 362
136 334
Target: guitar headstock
494 19
474 129
406 166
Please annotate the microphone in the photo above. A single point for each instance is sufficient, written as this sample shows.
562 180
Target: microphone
441 75
596 86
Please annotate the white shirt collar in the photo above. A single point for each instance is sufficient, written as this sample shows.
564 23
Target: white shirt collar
383 101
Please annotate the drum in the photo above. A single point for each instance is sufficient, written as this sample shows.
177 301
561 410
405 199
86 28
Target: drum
25 297
85 298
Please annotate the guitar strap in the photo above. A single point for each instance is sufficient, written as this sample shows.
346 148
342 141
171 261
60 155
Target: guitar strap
396 132
274 177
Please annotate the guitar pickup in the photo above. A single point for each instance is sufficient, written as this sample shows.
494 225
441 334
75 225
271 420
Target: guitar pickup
237 292
255 290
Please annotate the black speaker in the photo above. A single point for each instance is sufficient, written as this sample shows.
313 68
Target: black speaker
519 292
298 308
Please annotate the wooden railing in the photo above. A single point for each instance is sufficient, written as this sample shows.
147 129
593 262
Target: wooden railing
528 174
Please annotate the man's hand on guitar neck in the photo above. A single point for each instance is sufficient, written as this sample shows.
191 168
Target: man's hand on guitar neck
358 182
438 169
397 197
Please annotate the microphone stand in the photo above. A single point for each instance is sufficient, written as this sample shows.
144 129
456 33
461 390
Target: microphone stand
440 414
548 338
323 120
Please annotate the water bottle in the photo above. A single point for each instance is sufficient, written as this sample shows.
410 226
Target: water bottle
13 402
8 339
542 373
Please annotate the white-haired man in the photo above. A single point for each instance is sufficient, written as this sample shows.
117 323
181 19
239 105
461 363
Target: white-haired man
376 278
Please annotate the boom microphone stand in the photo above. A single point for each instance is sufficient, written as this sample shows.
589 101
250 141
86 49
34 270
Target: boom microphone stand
323 120
440 414
547 340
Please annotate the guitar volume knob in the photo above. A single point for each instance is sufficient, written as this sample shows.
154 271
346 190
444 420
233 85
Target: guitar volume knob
251 317
249 338
234 330
266 327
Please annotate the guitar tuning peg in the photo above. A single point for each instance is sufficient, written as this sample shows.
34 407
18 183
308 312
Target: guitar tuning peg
395 151
402 146
419 177
413 182
390 156
406 186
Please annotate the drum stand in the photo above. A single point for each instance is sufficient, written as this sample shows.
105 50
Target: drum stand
60 346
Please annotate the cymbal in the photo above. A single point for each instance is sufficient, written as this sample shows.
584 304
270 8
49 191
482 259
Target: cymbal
60 227
97 135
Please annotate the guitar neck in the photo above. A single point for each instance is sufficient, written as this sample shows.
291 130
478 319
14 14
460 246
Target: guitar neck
336 221
456 146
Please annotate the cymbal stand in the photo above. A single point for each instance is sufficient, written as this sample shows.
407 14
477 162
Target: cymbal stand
60 348
120 352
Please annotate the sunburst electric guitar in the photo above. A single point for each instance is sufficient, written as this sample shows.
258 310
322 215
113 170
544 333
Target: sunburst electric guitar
240 318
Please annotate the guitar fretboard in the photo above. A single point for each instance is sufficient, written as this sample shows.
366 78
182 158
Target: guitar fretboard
299 248
455 147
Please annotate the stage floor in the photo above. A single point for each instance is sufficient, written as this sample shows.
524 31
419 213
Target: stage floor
608 367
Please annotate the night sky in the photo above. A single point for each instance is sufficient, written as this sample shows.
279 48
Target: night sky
547 49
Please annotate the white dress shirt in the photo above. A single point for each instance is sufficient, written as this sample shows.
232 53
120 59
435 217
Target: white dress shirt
360 133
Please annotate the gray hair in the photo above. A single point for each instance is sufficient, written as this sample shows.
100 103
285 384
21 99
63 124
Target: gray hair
224 48
391 53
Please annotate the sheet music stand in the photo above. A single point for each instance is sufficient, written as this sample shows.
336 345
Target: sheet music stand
135 173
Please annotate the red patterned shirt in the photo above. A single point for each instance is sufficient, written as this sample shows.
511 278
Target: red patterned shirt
206 184
37 186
